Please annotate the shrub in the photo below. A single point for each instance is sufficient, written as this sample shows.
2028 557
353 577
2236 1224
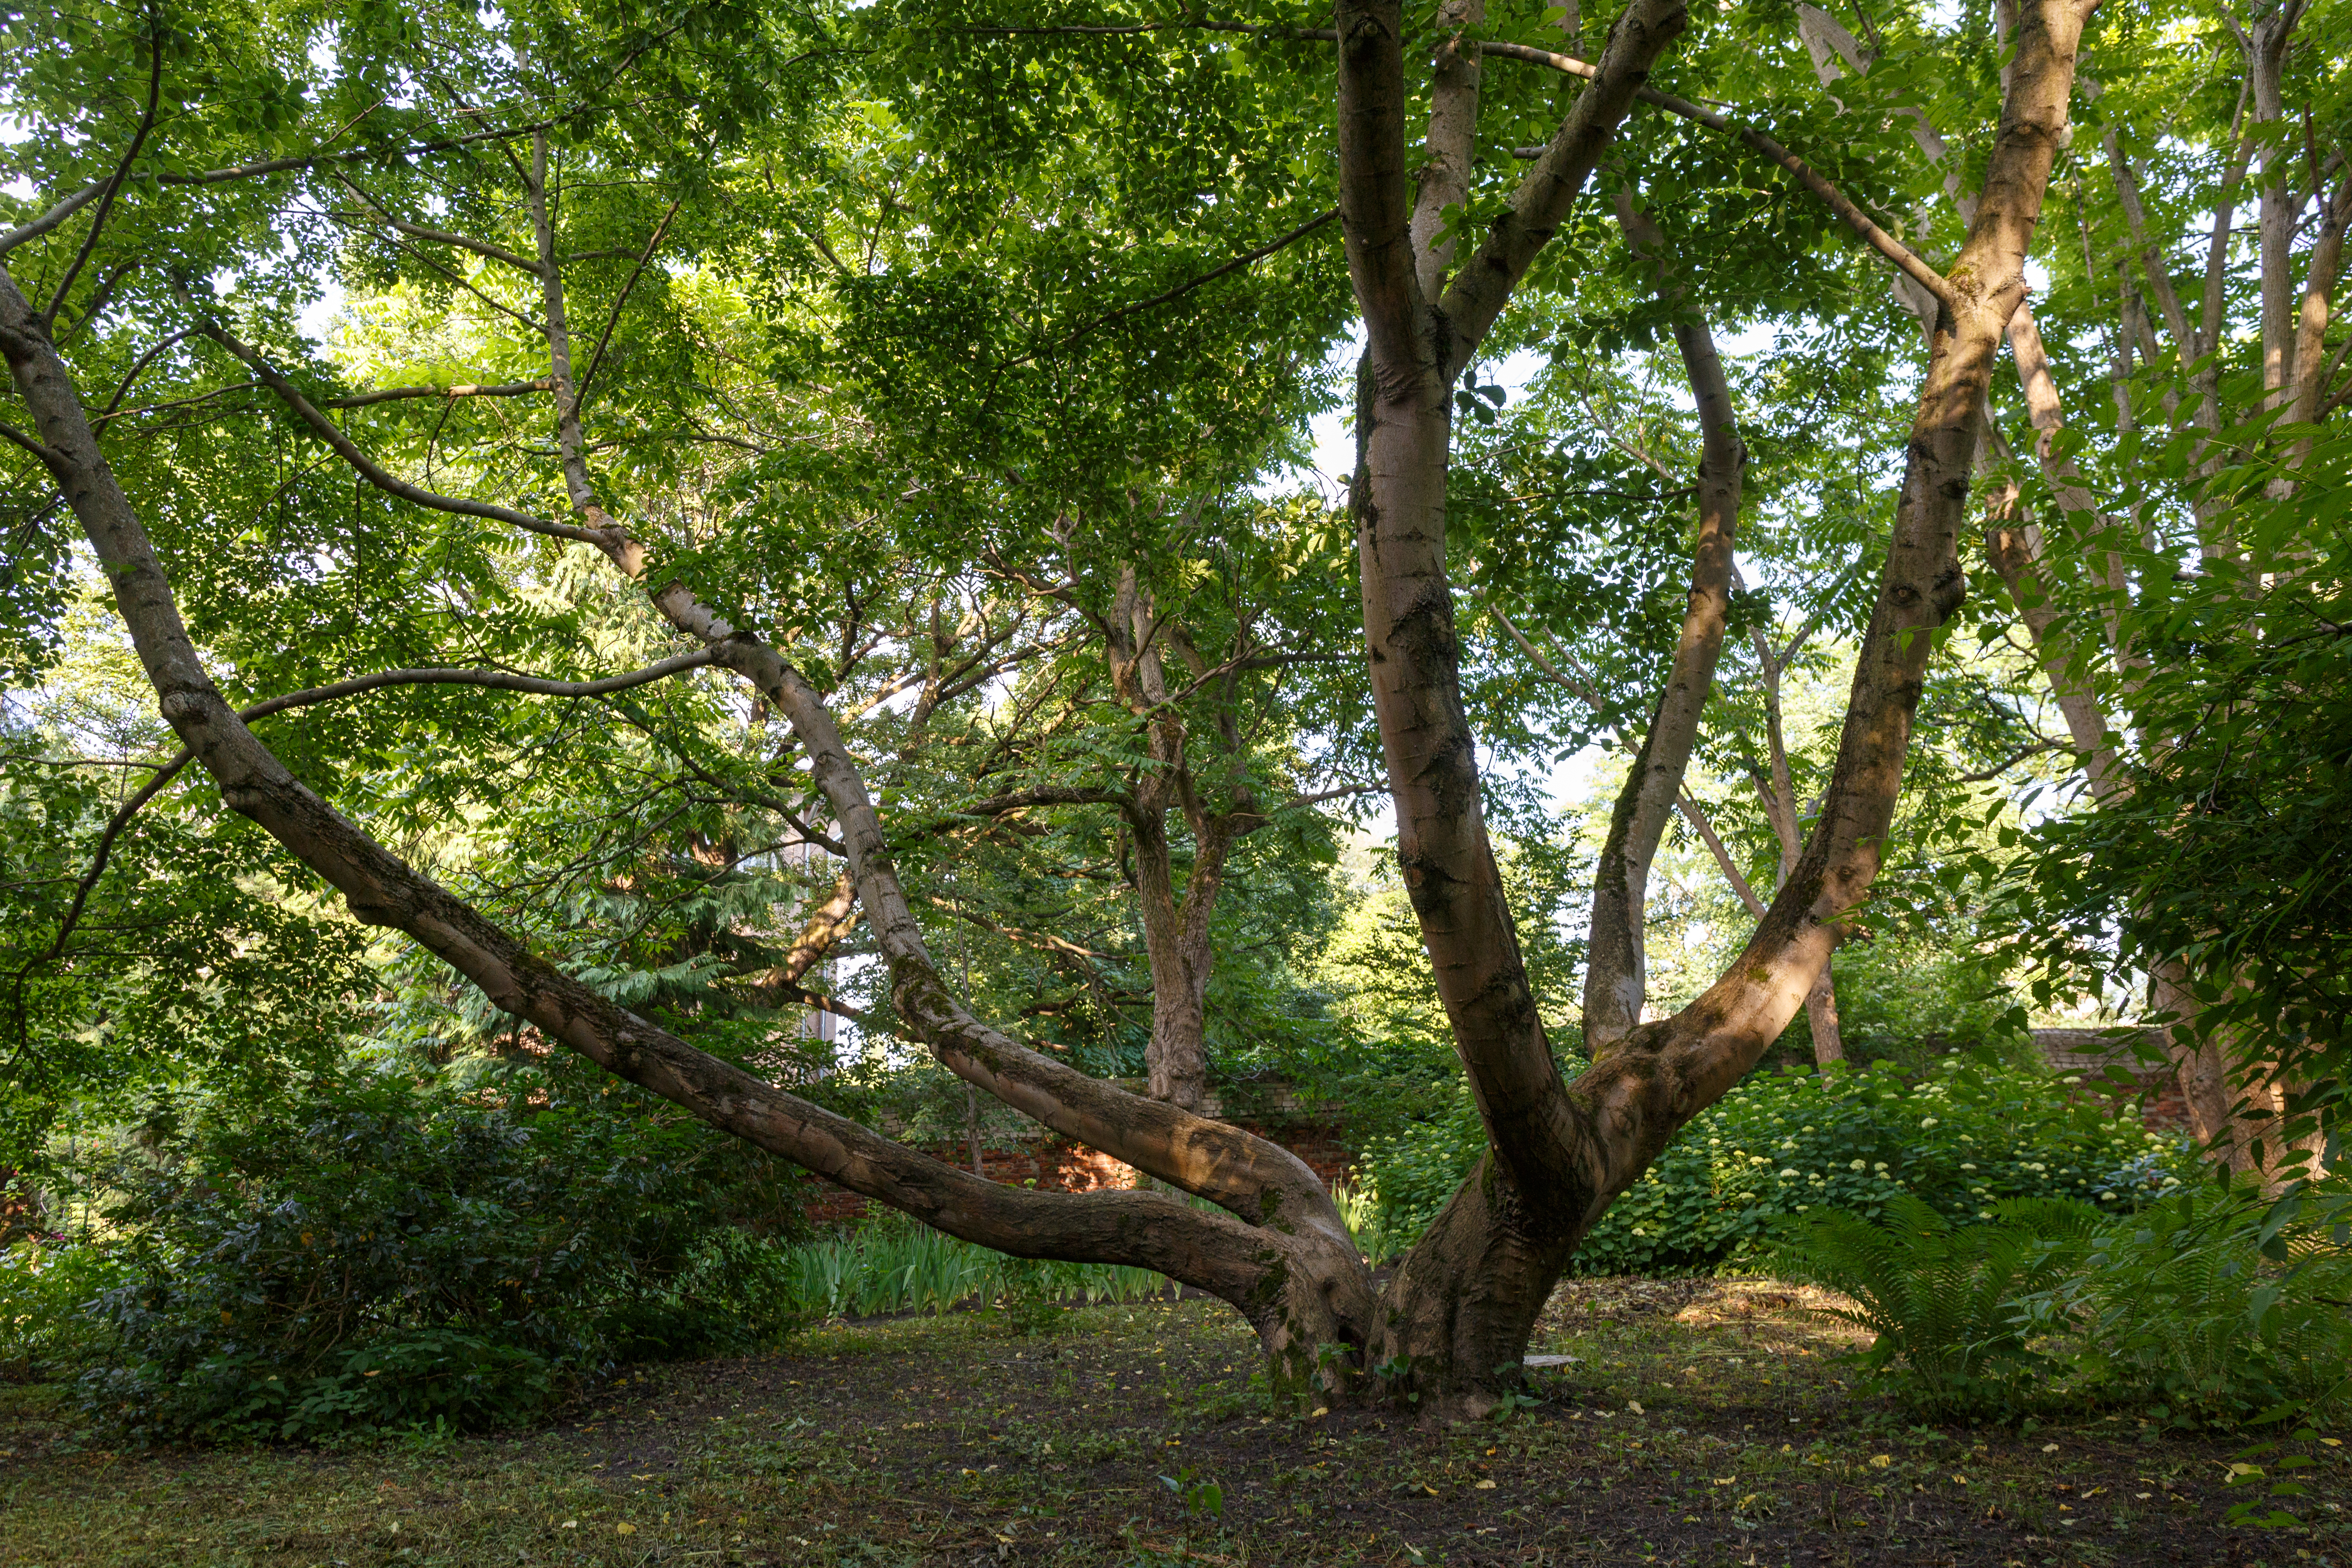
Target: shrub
43 1285
1961 1138
1941 1297
2215 1305
384 1252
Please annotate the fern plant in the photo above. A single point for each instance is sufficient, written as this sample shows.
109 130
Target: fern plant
2216 1305
1940 1298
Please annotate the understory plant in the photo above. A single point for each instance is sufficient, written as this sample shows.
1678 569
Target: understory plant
893 1265
2212 1306
43 1286
1942 1298
2216 1305
1961 1138
379 1251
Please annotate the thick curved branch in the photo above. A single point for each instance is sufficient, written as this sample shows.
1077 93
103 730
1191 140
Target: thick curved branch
1616 969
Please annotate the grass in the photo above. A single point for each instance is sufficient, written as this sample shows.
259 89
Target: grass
1702 1422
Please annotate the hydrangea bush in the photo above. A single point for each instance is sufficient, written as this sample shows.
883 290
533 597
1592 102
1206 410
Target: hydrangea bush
1959 1138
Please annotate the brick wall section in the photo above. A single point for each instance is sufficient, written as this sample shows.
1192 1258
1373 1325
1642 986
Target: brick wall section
1056 1164
2092 1052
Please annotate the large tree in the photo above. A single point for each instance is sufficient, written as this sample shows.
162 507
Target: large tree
612 134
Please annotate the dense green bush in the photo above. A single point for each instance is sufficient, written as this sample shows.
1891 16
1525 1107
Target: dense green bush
383 1252
42 1289
1961 1137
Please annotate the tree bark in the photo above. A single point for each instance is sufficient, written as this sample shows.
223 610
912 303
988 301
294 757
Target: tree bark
1560 1154
1616 953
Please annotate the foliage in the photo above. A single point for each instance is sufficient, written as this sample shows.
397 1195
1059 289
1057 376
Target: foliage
2211 1305
2229 858
1960 1138
1908 999
44 1285
894 1265
1939 1296
2215 1306
379 1252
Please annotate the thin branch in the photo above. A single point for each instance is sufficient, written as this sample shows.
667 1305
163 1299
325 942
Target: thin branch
139 368
2033 749
439 236
82 889
377 476
73 203
1021 800
498 679
1904 257
466 389
103 420
1687 803
588 378
114 183
1235 265
48 459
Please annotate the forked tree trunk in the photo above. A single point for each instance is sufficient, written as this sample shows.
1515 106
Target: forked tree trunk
1559 1154
1453 1325
1175 925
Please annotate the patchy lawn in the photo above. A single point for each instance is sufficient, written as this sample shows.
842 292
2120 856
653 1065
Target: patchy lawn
1703 1422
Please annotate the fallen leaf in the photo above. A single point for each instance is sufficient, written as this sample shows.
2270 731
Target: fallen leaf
625 1529
1484 1487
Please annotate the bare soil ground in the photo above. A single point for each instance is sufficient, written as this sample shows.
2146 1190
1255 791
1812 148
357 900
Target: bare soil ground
1700 1422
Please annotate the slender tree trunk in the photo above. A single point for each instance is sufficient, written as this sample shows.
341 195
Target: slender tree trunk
1779 793
1175 926
1616 955
1821 1017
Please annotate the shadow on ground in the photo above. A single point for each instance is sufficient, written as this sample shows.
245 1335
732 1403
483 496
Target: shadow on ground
1700 1422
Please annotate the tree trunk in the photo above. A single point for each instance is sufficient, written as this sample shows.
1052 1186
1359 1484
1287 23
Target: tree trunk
1616 955
1821 1017
1559 1154
1453 1325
